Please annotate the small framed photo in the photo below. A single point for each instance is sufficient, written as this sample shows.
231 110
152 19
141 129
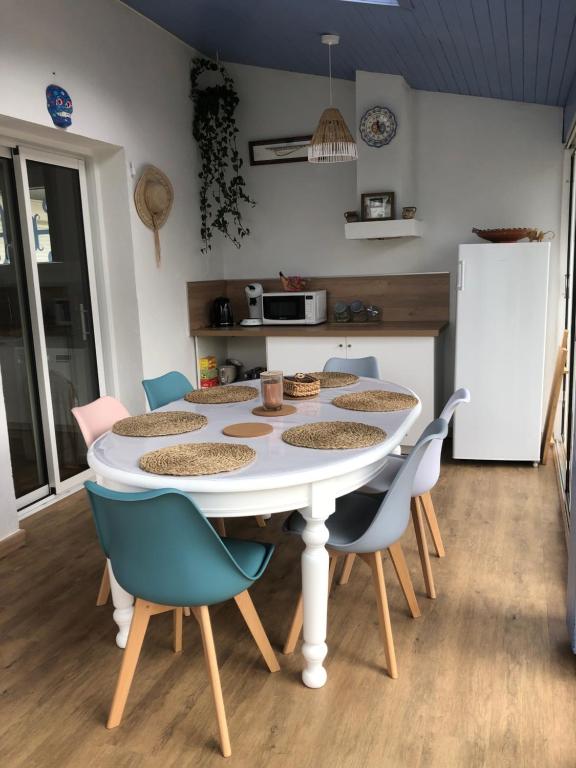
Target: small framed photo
377 206
272 151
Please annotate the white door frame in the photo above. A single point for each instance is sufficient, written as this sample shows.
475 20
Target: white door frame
21 156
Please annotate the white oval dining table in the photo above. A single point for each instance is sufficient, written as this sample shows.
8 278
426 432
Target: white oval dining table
281 478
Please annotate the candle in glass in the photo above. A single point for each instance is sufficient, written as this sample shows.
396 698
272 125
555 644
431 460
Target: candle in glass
272 390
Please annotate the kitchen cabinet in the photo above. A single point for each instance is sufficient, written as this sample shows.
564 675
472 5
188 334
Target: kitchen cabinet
409 361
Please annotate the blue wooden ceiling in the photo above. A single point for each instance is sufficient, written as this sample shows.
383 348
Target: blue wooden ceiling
509 49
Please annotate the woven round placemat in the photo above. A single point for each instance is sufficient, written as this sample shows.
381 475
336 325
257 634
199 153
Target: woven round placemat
375 400
157 424
334 378
334 434
218 395
197 459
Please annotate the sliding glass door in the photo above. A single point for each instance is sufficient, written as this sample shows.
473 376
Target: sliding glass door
17 360
49 342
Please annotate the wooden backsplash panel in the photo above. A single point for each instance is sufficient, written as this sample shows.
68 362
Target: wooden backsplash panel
200 297
401 297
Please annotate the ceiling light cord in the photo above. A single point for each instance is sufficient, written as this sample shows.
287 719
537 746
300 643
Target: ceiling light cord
330 72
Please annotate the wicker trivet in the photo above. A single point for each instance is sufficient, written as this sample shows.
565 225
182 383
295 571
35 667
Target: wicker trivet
334 434
197 459
218 395
375 400
161 423
334 378
248 429
308 397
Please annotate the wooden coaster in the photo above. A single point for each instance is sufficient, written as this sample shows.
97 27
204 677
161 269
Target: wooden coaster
247 429
284 411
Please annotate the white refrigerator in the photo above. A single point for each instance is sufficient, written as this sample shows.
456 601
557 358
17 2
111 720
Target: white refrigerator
502 296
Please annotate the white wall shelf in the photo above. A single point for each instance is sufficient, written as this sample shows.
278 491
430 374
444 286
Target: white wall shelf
383 230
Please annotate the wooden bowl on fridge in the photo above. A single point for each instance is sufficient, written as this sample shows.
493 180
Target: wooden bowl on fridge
504 235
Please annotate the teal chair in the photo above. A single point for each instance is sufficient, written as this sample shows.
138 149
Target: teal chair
165 553
166 389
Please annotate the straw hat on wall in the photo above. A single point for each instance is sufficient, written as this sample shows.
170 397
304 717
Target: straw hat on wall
153 198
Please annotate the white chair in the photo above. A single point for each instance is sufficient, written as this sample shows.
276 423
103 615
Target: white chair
426 478
361 366
366 525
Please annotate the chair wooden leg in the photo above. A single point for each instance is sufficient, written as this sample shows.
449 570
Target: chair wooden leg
401 568
219 525
298 618
104 591
347 569
295 627
250 616
432 520
187 611
178 630
418 520
261 522
374 559
140 619
203 617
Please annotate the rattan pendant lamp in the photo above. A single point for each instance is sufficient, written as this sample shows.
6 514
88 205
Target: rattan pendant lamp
332 141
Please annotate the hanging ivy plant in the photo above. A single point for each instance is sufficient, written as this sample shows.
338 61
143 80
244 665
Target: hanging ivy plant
222 188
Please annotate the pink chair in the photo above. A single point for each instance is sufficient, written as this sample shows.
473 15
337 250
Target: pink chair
94 419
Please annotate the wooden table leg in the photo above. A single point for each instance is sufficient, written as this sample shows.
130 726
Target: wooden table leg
315 590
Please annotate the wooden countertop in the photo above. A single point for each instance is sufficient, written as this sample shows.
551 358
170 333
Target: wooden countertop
391 328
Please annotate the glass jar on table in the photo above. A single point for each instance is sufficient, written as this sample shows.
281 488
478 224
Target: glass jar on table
272 388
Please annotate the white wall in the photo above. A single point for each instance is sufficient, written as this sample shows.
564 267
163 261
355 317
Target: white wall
129 83
477 162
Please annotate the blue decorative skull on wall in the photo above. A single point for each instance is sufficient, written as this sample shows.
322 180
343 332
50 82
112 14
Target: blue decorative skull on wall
59 106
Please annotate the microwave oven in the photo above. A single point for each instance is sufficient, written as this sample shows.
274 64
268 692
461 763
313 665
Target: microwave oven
294 308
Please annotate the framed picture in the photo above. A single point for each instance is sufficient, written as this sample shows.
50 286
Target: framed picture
269 151
377 206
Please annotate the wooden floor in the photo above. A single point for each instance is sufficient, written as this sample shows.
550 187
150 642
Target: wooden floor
486 674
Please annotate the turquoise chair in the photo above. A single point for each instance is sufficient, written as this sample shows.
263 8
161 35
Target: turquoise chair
166 389
165 553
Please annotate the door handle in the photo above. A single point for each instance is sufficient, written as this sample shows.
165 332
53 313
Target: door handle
348 345
460 278
340 345
85 332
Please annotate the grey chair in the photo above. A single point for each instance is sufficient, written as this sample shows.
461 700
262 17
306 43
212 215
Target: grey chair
426 478
365 525
361 366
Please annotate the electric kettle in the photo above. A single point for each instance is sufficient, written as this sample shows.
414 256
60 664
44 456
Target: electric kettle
222 313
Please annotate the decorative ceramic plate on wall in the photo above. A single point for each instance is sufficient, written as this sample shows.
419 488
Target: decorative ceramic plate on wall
378 126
